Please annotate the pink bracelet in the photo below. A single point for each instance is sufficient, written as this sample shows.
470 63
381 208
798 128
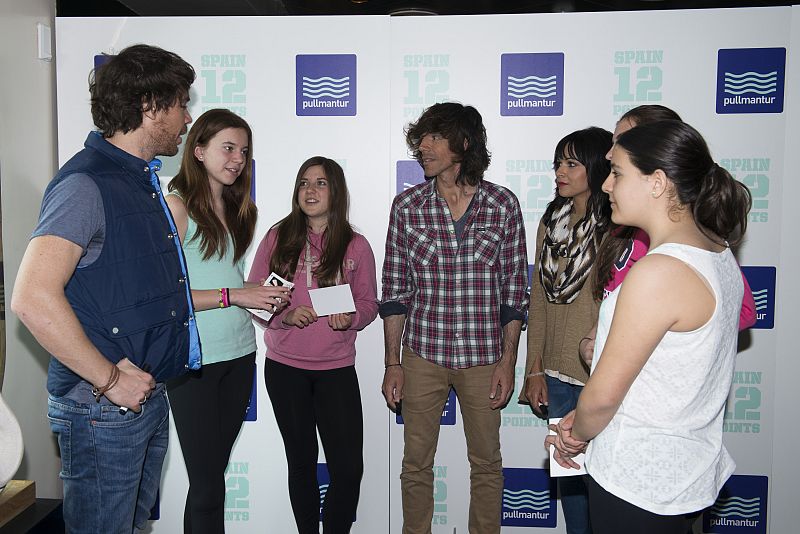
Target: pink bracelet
226 303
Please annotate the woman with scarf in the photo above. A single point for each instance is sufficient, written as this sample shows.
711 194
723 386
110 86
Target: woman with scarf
562 310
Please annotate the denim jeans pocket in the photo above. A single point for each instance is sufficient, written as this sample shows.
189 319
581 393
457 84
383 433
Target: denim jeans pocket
111 416
62 428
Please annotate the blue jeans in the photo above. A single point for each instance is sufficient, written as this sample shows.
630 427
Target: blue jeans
563 398
110 461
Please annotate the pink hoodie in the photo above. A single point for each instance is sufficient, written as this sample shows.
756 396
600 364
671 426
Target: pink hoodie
318 346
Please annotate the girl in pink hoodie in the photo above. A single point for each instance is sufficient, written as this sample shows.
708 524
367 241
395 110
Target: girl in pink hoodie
310 366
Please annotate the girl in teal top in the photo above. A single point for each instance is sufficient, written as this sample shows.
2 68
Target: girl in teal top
215 216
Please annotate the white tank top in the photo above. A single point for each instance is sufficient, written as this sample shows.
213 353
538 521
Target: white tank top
663 450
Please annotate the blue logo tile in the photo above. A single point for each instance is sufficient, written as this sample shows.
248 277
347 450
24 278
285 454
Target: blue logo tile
750 80
325 84
529 498
741 507
409 174
532 84
762 283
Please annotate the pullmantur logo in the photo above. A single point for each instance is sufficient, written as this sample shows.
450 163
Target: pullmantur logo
222 82
529 498
409 174
448 413
639 78
750 80
252 405
325 84
762 283
237 491
533 181
754 173
741 507
743 409
532 84
427 77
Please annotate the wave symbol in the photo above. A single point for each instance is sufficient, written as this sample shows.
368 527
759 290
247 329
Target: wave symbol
539 87
760 297
737 506
751 82
323 490
526 499
326 86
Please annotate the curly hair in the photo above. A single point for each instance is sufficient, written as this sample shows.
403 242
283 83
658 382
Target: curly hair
463 128
140 78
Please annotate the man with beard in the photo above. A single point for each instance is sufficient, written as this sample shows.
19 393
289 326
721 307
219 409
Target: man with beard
103 288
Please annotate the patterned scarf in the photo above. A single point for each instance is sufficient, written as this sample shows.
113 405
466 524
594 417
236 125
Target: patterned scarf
579 246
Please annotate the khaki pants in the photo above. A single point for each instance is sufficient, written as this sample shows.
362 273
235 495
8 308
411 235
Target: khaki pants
425 392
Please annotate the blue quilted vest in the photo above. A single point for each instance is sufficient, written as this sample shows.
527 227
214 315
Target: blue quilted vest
132 300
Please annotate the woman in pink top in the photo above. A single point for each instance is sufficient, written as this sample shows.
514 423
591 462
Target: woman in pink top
310 366
625 245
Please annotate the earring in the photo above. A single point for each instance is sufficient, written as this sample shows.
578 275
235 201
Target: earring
653 193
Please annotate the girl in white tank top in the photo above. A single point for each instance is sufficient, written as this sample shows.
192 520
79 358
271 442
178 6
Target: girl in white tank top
650 416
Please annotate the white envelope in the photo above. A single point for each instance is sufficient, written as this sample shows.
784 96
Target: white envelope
334 299
558 471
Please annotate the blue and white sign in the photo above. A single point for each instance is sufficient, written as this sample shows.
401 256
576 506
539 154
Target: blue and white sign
532 84
529 498
741 507
325 84
750 80
409 174
762 283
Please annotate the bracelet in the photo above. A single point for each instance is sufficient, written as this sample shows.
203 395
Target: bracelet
529 375
112 381
224 301
390 365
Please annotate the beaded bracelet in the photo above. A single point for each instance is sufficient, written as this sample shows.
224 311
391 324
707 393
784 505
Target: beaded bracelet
224 301
529 375
225 297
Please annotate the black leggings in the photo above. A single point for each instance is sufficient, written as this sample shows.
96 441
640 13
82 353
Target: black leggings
208 407
612 515
304 401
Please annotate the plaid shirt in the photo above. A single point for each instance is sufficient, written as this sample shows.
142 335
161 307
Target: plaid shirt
453 292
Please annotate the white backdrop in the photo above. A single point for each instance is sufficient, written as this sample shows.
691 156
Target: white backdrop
603 63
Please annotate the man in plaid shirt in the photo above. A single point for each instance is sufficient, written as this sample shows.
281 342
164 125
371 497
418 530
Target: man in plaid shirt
454 279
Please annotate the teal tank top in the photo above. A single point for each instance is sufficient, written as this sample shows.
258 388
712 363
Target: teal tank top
225 333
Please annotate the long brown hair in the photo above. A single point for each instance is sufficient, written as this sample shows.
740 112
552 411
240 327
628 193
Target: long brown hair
191 183
293 229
